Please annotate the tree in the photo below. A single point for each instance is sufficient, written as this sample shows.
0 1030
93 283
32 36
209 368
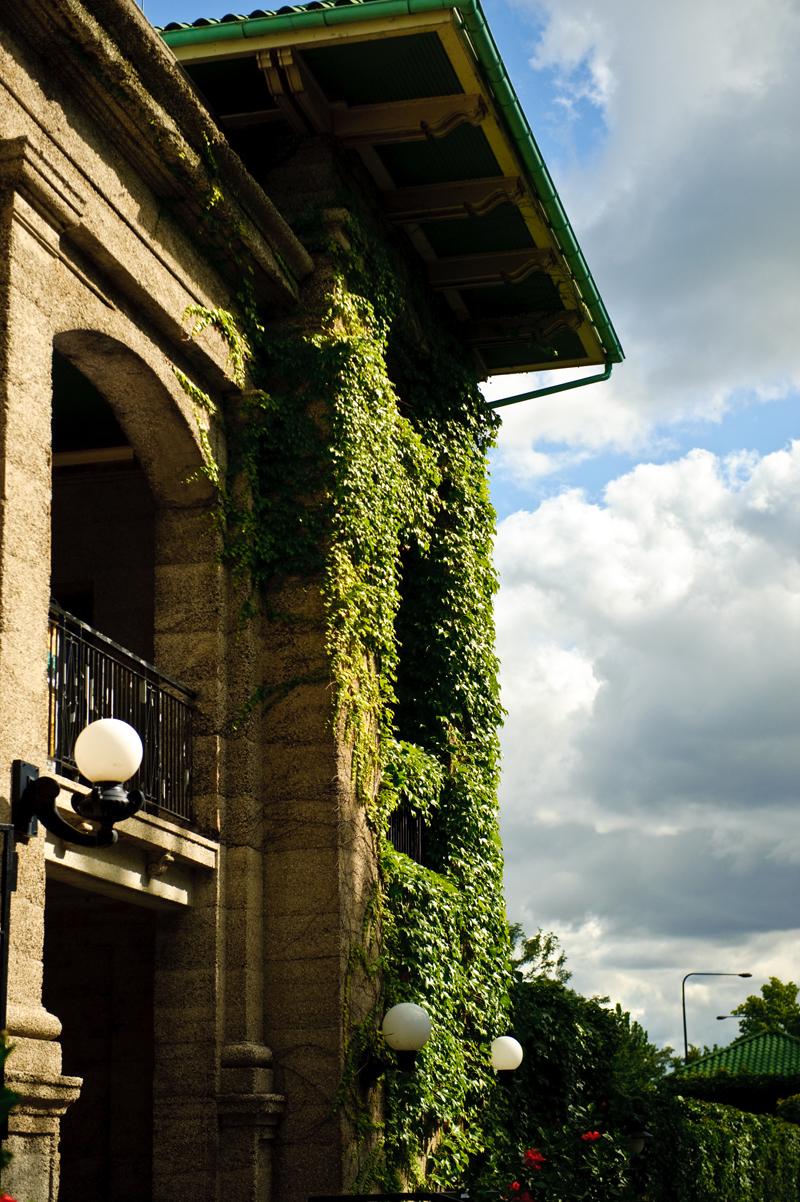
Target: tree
538 956
585 1082
777 1009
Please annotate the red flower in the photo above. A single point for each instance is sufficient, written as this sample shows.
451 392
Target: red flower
588 1136
515 1186
533 1158
526 1197
7 1198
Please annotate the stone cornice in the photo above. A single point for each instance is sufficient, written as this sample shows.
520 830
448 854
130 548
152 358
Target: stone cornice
24 168
143 101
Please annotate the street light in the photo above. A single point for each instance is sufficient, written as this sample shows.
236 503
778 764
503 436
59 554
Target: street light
108 752
738 1017
683 999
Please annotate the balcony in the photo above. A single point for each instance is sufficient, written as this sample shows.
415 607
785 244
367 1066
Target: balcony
405 833
91 677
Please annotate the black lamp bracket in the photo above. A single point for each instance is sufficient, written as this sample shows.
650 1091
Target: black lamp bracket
33 800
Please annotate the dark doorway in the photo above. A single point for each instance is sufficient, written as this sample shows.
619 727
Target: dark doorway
98 979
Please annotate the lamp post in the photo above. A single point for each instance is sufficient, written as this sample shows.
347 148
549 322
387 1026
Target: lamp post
683 999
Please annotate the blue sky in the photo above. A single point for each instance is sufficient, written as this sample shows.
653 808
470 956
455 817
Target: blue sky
649 611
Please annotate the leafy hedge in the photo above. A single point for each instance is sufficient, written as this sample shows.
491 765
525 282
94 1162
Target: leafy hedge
581 1090
704 1152
756 1092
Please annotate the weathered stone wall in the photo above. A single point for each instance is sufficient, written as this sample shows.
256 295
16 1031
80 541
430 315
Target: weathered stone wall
101 197
102 248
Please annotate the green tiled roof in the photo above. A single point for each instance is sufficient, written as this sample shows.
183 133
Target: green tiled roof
771 1053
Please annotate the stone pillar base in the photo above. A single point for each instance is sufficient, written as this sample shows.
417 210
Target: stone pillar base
248 1113
33 1134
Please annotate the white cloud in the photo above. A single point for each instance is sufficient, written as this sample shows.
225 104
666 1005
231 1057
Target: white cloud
686 212
650 649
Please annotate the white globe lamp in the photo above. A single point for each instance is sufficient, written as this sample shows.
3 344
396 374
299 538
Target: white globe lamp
108 750
506 1054
406 1029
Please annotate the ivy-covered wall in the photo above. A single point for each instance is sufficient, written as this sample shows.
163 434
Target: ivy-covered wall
704 1151
358 465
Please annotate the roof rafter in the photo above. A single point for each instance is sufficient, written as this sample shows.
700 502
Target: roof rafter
503 267
458 198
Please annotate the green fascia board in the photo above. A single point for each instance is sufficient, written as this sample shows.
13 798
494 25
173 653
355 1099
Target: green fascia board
494 70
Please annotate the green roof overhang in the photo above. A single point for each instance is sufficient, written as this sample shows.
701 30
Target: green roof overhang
418 88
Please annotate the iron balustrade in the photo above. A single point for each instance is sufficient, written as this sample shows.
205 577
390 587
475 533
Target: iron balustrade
92 677
405 832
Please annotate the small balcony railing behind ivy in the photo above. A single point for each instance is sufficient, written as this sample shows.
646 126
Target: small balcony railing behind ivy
405 833
92 677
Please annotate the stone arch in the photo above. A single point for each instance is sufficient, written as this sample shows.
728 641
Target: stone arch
155 415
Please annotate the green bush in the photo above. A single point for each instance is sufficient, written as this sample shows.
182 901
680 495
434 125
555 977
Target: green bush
756 1092
705 1152
788 1109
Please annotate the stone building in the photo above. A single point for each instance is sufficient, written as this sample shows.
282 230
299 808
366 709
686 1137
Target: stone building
175 1000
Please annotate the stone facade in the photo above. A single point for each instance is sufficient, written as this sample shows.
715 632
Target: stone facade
102 184
194 973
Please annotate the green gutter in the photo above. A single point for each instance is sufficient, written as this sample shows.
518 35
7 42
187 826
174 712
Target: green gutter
530 396
495 73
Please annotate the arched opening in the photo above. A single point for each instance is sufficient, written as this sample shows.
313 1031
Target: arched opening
102 516
124 541
105 509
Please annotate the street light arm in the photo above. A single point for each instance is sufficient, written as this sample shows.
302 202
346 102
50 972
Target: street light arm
683 1000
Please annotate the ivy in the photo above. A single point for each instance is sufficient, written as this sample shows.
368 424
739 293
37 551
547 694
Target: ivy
358 462
718 1153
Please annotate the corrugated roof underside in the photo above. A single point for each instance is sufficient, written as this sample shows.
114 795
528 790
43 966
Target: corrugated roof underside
403 68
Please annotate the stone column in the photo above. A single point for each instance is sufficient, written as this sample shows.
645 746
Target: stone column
215 1109
320 855
36 205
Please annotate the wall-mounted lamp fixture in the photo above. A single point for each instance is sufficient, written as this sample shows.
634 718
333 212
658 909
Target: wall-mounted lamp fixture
506 1054
406 1029
637 1139
108 752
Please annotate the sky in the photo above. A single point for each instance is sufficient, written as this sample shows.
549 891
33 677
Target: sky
648 528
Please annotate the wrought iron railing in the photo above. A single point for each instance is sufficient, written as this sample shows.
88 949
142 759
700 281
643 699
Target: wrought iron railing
92 677
405 832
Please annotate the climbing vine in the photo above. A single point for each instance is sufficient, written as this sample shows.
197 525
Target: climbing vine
363 449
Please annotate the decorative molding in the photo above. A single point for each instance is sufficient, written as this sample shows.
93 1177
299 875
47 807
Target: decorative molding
42 1096
455 199
537 326
24 169
262 1110
479 271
